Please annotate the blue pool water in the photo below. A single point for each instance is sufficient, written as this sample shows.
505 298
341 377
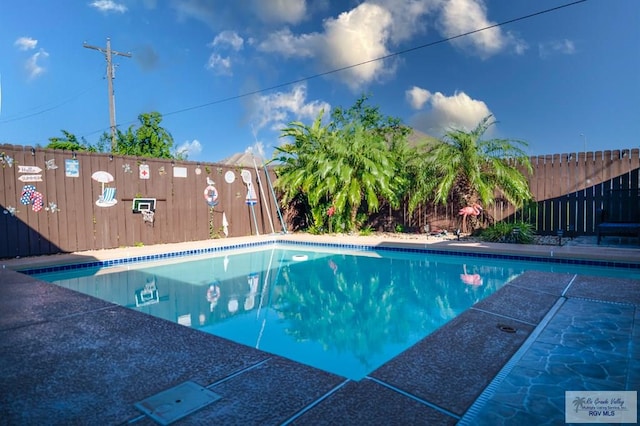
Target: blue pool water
341 311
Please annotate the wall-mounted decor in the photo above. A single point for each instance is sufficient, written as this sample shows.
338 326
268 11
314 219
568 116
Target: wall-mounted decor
211 195
146 207
144 171
29 169
140 204
108 196
52 208
31 196
31 177
5 160
71 168
180 172
225 226
51 164
229 176
127 168
11 211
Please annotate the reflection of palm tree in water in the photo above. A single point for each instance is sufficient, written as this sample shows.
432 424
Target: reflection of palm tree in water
333 266
470 279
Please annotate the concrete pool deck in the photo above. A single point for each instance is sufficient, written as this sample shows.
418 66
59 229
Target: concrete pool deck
68 358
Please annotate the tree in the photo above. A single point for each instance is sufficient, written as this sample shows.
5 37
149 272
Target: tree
358 170
343 168
148 140
296 165
69 142
465 169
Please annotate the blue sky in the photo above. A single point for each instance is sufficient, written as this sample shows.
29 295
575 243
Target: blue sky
560 80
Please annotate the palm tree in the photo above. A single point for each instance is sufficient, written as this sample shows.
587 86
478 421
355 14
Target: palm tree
296 165
345 165
357 169
466 169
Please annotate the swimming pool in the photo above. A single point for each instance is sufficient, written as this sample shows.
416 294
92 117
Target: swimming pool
341 310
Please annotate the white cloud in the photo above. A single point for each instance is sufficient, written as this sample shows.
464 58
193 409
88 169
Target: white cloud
463 16
563 47
200 10
417 97
408 16
354 37
26 43
257 149
108 6
228 38
280 11
355 40
444 113
189 148
33 65
278 109
219 64
289 45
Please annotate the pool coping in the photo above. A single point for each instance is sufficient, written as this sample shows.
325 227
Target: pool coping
605 257
392 390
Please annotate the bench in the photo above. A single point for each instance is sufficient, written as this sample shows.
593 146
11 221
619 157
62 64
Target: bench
620 215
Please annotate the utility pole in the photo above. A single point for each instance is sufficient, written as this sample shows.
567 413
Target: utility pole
108 53
584 139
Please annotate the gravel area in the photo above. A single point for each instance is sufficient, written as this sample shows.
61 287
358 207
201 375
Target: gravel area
543 240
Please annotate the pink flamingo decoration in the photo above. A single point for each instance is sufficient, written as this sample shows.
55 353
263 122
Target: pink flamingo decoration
473 210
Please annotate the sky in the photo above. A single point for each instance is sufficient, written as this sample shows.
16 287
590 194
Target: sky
227 76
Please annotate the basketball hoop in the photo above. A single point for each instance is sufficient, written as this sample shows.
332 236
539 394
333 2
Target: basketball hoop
147 216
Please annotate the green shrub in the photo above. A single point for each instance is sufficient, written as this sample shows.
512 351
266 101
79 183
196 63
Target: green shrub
503 232
316 230
367 230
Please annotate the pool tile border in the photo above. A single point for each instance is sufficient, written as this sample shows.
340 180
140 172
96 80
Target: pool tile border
355 247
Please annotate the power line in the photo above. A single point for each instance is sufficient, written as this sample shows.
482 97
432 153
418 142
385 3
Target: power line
47 109
381 58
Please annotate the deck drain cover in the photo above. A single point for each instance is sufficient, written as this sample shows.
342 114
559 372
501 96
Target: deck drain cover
177 402
506 328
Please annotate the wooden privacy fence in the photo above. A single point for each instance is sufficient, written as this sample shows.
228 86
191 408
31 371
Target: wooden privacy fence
568 189
50 203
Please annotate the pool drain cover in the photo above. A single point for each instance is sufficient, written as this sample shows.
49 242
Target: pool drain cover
177 402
